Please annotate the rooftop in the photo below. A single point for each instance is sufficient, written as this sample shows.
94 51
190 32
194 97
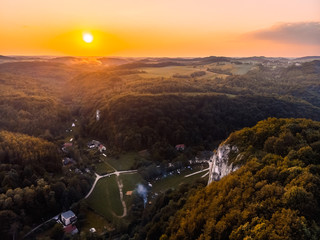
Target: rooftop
68 214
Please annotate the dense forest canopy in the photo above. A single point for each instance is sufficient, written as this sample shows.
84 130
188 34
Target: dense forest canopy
31 182
30 106
274 194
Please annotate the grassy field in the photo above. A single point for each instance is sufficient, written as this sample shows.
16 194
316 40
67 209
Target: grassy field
169 71
94 220
237 69
105 198
172 70
124 162
103 168
130 181
174 181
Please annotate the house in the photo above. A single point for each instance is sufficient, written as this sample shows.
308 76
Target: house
93 144
65 146
68 218
78 171
129 193
180 147
67 161
101 148
68 144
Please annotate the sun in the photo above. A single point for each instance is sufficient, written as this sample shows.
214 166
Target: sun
87 37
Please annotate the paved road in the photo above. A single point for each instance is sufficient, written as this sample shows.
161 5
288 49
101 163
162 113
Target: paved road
40 225
191 174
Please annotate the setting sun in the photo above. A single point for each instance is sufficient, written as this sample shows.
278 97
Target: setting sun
87 37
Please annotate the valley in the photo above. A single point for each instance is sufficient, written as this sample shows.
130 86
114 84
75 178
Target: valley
127 144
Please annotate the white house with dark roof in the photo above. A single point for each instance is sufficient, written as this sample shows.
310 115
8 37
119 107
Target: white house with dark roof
68 218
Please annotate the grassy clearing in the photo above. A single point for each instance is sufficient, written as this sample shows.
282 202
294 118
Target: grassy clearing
183 70
105 198
94 220
174 181
103 168
237 69
123 162
168 71
130 182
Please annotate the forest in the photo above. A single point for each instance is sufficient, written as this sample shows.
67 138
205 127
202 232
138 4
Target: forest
274 194
32 186
138 112
154 104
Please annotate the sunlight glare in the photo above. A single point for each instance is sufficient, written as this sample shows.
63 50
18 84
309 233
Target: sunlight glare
87 37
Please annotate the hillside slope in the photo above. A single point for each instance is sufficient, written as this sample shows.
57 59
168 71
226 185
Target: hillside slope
275 194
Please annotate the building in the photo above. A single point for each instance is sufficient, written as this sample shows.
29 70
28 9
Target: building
69 144
180 147
102 148
67 161
94 144
68 218
98 115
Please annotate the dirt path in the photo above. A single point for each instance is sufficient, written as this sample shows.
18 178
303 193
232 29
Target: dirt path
107 175
120 186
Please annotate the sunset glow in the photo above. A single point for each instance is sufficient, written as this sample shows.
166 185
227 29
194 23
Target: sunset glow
87 37
160 28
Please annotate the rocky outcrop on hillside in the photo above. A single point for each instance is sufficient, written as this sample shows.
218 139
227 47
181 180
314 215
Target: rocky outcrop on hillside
219 165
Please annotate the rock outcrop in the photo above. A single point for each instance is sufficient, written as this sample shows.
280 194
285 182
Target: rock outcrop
219 163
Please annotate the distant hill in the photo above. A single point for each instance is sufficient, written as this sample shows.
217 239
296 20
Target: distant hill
308 58
262 59
63 59
6 58
141 64
110 61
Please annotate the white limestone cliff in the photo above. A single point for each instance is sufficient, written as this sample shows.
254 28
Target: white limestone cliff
219 163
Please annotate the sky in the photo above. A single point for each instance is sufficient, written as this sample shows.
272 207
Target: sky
157 28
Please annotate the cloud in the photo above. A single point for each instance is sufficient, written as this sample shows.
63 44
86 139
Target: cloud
307 33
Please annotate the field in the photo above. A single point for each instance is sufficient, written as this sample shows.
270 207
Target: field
237 69
170 71
94 220
130 182
152 72
103 168
105 198
174 181
123 162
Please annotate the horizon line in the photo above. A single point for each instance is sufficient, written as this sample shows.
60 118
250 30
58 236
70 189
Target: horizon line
185 57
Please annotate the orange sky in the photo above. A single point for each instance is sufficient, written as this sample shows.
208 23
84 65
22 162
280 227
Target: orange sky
288 28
